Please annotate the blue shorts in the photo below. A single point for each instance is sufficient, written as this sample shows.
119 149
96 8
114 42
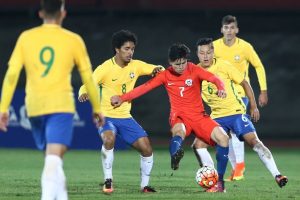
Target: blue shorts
239 124
125 128
53 128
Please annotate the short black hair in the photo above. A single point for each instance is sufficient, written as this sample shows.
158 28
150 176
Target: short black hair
122 36
204 41
229 19
52 7
178 51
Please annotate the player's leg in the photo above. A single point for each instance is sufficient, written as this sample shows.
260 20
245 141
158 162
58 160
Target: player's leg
238 152
135 135
236 157
201 153
56 131
146 162
265 156
108 136
231 158
176 151
221 138
210 132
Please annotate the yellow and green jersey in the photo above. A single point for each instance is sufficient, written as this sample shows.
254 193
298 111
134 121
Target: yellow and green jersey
231 77
115 80
240 54
48 54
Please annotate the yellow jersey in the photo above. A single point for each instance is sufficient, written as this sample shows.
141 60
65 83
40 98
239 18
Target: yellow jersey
240 54
232 104
48 53
115 80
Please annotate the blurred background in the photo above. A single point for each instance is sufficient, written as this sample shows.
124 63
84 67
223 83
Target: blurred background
271 26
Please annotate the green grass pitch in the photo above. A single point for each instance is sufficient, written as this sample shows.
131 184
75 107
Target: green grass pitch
20 176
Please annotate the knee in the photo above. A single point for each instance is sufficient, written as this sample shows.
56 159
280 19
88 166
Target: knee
108 141
198 144
223 140
147 151
255 142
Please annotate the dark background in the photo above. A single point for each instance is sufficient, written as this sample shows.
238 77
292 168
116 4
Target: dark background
271 26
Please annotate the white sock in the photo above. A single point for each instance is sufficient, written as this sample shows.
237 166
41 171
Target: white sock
205 157
107 157
53 179
266 157
231 155
146 167
238 148
62 193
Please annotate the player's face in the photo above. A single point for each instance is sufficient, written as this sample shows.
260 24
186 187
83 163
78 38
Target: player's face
205 54
229 31
125 53
179 65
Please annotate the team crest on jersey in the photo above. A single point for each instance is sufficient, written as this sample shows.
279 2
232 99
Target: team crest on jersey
131 75
237 58
189 82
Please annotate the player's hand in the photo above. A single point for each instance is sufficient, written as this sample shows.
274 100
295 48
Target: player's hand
4 118
263 98
157 69
84 97
99 119
116 101
222 94
254 112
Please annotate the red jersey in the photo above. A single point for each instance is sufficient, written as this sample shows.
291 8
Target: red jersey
184 89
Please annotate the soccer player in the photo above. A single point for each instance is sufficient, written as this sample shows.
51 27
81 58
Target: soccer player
182 81
48 53
116 76
239 53
230 112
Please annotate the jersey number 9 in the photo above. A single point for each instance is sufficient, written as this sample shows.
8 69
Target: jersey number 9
47 59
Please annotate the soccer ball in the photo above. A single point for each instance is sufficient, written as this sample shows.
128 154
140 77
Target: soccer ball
207 177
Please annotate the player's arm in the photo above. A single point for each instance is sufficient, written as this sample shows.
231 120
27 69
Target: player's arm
97 76
261 75
254 112
84 67
238 78
11 78
117 101
148 69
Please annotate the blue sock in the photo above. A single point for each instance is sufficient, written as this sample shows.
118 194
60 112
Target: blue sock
175 144
222 159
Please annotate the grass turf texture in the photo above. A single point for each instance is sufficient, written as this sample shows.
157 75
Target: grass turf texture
20 176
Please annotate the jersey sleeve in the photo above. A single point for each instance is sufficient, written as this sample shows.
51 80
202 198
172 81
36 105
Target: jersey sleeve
144 88
208 76
233 73
11 78
97 77
259 68
85 70
145 68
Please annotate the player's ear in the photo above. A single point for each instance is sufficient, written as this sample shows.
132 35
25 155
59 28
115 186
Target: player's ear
117 50
237 30
41 14
63 14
